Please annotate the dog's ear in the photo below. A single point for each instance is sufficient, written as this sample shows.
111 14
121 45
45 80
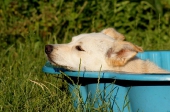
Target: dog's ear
113 33
121 53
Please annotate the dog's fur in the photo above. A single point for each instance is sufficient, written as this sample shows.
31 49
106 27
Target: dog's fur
106 51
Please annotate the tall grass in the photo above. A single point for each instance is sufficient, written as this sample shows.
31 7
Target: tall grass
26 27
60 20
24 87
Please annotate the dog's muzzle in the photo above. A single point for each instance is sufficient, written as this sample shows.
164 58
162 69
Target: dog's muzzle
48 49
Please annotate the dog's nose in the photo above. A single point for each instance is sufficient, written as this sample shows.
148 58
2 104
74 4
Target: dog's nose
48 49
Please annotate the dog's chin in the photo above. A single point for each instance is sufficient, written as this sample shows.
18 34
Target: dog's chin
60 66
55 64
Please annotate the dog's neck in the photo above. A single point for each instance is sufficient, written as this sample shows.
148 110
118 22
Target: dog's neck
137 65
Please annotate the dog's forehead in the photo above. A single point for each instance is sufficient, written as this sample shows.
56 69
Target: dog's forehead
92 36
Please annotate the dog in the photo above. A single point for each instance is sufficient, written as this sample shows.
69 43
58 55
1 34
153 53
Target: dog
103 51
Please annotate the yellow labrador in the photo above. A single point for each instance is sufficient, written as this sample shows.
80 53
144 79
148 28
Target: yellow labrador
105 50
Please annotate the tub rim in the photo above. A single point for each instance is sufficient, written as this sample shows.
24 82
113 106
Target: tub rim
48 68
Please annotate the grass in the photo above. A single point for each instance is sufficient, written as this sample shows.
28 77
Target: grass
23 85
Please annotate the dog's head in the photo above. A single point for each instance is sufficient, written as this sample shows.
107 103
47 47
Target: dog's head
93 51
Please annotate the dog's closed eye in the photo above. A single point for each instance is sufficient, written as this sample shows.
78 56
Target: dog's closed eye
79 48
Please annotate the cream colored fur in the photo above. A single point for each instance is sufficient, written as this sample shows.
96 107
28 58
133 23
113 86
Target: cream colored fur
105 50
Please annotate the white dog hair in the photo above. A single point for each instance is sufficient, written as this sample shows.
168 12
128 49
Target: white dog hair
105 50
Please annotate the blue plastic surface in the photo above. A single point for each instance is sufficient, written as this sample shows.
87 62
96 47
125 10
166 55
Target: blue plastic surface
146 97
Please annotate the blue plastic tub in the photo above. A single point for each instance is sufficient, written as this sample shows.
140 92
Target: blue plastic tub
124 92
